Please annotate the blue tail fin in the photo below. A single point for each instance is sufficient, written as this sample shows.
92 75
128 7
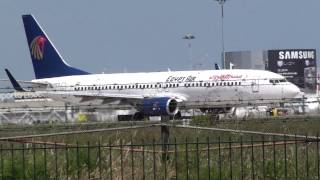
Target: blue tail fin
46 60
14 82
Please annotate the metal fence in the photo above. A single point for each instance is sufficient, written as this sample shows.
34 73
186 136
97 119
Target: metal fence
201 158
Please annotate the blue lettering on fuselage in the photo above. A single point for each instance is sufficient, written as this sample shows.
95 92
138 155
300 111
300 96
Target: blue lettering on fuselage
172 79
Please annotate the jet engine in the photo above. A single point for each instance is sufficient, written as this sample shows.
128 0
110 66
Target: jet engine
162 106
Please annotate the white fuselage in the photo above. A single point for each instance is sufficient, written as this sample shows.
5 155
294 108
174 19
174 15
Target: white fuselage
207 88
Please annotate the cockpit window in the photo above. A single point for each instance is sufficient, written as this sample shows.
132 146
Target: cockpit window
277 81
283 80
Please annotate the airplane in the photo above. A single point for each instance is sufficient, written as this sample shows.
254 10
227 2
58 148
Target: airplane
151 93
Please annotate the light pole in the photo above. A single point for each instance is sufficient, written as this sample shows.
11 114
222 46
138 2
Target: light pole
221 2
189 37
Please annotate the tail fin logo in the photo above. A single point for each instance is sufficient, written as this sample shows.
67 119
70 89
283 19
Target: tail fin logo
37 47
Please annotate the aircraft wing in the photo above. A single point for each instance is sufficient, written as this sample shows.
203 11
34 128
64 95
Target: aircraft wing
115 96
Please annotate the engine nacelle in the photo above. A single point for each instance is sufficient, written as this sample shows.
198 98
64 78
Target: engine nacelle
159 106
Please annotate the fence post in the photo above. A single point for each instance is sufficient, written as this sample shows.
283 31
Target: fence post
121 159
198 161
307 157
263 159
274 158
143 161
1 156
285 157
110 159
318 171
296 154
56 159
165 133
34 161
165 158
219 154
45 159
241 158
88 152
208 155
154 158
78 163
252 159
12 162
187 159
67 162
99 155
176 157
23 163
230 157
132 160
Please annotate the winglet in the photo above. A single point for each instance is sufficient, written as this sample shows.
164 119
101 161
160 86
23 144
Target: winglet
13 81
217 67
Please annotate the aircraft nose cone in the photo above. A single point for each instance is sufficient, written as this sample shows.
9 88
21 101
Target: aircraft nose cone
293 91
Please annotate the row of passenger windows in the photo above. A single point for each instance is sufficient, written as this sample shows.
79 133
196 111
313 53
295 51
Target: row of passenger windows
151 86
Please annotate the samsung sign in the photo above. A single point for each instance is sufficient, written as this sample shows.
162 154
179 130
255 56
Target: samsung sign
297 65
297 54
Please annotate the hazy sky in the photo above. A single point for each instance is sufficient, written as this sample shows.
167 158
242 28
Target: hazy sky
146 35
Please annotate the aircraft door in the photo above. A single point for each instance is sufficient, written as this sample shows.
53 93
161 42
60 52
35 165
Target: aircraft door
255 85
164 88
60 86
161 88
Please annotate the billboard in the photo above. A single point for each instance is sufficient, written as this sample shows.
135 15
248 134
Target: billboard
297 65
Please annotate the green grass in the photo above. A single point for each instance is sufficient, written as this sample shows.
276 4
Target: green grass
41 162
